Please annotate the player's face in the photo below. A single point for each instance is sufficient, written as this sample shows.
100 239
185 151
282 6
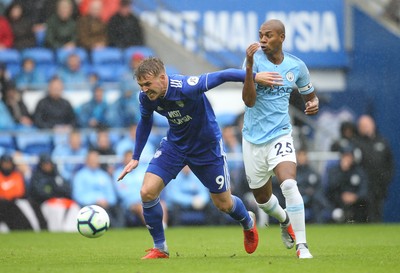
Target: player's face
270 40
153 86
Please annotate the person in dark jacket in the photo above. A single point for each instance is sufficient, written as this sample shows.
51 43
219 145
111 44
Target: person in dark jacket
53 110
348 189
122 23
47 183
21 25
377 160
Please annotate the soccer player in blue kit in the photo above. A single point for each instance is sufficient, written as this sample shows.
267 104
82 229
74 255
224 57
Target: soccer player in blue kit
267 142
193 139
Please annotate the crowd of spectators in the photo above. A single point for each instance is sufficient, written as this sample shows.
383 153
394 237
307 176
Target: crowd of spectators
77 170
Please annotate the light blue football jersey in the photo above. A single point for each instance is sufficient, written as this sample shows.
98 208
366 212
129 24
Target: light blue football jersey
269 117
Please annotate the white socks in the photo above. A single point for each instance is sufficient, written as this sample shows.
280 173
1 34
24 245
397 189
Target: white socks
273 209
295 209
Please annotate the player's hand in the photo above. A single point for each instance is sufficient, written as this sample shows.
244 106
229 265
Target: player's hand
128 168
250 53
269 78
312 106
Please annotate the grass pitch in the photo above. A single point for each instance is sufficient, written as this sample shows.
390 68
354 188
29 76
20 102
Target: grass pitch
336 248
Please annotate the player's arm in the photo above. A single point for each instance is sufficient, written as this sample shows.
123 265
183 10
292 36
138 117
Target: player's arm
312 103
249 94
143 130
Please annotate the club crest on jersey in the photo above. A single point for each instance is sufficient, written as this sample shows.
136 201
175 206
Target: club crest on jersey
157 154
180 103
193 80
290 76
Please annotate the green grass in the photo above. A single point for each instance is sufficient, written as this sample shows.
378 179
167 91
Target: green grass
336 248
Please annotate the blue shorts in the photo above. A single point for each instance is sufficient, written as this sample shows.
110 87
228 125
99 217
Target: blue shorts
210 167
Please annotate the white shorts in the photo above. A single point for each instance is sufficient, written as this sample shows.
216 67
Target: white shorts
261 159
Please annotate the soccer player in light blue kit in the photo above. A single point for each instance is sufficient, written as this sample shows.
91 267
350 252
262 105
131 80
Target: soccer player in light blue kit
193 139
267 142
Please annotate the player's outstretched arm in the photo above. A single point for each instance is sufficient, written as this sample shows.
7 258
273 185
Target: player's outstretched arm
249 93
128 168
312 104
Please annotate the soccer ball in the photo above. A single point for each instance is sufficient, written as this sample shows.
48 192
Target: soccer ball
92 221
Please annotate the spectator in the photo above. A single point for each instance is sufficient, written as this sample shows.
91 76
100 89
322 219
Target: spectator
348 132
47 183
128 192
6 34
127 78
73 150
109 8
53 110
310 187
128 143
30 77
61 27
4 80
104 147
125 110
187 196
52 193
377 160
17 107
6 119
21 25
93 186
123 22
92 31
71 73
348 188
92 114
233 147
15 211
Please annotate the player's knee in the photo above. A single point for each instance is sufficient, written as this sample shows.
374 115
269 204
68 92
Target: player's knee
288 186
147 195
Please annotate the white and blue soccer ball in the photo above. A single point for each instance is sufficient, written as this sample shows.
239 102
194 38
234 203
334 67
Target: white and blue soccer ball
92 221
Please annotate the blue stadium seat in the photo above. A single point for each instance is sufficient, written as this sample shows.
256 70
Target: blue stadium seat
107 56
63 53
128 52
34 143
7 143
108 73
12 59
42 56
171 70
44 59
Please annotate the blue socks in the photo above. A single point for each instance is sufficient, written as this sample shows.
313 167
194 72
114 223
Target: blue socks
153 215
240 213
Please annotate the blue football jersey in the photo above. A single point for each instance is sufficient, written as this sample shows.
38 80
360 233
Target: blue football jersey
193 127
269 117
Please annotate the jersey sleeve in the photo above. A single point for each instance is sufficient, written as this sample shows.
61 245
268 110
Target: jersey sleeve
196 85
303 82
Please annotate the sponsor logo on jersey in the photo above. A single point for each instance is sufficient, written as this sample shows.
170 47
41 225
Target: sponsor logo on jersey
290 76
180 103
159 108
193 80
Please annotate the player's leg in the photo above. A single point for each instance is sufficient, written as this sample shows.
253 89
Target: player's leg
286 173
164 166
259 178
216 178
153 214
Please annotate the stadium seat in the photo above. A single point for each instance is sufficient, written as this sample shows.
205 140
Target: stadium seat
42 56
44 59
107 56
63 53
128 52
12 59
34 143
7 142
171 70
108 73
